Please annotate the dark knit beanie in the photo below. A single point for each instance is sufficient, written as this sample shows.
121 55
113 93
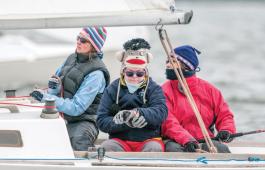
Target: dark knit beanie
188 55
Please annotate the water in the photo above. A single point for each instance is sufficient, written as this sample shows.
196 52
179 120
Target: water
231 37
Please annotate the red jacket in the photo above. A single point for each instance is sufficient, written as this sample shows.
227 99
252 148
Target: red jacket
181 124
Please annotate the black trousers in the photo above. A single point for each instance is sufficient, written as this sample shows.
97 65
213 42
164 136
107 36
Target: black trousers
172 146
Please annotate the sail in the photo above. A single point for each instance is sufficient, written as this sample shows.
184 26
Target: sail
31 14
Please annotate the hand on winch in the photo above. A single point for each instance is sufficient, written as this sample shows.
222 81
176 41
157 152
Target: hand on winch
37 94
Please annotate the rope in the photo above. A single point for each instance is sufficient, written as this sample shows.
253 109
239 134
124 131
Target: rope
61 92
15 97
199 159
41 159
118 93
169 51
27 105
145 90
202 159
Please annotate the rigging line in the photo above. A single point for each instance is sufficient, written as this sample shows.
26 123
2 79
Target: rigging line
14 97
61 92
185 87
42 159
202 159
27 105
22 97
159 23
253 132
239 134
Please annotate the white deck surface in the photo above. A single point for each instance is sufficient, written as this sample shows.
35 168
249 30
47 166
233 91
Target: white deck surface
42 138
46 146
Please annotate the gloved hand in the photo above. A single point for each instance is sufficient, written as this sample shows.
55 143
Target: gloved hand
224 136
123 116
54 85
137 122
191 146
37 94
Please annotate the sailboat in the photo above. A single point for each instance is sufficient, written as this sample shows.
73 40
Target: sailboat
30 141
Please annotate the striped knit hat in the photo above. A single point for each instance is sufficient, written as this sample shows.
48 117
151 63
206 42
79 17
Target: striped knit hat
95 35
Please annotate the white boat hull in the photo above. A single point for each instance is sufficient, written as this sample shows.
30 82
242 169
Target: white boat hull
46 146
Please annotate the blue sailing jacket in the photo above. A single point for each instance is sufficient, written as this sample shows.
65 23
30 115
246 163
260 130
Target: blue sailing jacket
154 111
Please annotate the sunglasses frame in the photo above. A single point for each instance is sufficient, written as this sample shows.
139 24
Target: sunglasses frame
137 73
82 39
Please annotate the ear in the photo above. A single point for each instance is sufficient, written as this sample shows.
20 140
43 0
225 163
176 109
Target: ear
149 57
120 55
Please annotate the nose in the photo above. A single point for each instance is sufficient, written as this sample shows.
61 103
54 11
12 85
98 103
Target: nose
134 75
168 65
78 41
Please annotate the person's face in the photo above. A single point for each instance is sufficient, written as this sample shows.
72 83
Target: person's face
169 65
134 75
83 46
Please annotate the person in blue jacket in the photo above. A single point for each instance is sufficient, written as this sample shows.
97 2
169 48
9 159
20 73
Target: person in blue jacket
78 86
133 107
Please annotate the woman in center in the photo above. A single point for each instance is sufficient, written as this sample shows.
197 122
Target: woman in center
133 107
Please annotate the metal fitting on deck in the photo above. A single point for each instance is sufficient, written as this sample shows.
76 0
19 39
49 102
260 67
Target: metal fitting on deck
10 93
49 111
101 153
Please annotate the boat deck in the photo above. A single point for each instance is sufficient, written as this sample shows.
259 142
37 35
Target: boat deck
143 160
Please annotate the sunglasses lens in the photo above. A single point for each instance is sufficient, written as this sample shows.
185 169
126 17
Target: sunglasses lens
138 73
81 39
129 73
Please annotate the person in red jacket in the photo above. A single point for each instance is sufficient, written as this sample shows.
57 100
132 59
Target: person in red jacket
181 129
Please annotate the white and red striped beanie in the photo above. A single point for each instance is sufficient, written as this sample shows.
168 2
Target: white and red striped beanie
96 36
136 54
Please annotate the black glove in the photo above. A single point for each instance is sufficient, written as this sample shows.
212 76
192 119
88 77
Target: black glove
37 95
191 146
54 83
224 136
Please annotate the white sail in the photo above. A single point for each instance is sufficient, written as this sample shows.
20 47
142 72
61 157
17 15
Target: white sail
31 14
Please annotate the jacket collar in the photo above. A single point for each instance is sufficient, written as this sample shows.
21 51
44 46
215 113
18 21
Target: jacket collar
191 81
82 58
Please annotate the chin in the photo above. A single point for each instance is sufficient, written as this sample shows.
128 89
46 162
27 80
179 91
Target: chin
134 82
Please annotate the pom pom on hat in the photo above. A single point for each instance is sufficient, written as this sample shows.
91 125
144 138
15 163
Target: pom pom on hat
136 44
95 35
188 55
136 53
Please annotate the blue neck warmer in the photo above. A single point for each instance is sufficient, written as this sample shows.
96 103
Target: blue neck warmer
133 87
